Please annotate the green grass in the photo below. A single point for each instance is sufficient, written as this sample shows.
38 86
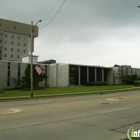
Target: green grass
62 90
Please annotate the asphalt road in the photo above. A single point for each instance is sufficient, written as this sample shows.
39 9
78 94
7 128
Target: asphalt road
92 117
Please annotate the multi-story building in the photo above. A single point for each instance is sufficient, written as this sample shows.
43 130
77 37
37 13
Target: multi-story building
15 39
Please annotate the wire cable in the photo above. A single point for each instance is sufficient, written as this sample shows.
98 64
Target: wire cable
54 15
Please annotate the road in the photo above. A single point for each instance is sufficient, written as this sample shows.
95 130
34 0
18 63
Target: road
92 117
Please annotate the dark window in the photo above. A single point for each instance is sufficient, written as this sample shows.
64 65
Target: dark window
5 35
99 74
83 75
18 44
18 37
12 36
15 27
18 56
4 55
24 51
12 43
11 49
74 75
91 74
11 56
8 75
24 44
5 49
0 41
18 73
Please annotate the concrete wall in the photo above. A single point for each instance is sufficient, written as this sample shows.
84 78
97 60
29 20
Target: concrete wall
110 76
52 75
63 75
116 80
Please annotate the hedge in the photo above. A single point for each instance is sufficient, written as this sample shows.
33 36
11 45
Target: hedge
97 83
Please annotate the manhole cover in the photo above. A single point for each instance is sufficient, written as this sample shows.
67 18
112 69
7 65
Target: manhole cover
105 103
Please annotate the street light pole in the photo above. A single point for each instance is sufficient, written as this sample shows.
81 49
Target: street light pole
31 55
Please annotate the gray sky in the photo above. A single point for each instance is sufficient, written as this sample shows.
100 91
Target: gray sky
93 32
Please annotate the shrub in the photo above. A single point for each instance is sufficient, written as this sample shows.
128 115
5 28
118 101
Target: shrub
18 87
89 84
97 83
100 83
137 82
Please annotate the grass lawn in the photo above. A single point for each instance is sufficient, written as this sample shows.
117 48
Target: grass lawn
61 90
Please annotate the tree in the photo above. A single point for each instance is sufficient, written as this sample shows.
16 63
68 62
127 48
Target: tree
26 79
124 76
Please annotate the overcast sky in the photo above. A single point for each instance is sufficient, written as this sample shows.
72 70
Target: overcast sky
92 32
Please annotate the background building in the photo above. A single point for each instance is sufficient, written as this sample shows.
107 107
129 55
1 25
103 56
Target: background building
15 39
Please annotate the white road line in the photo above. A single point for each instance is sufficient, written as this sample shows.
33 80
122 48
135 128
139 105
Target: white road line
113 99
37 102
11 111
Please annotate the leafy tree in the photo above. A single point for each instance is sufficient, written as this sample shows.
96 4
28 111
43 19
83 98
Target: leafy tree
26 79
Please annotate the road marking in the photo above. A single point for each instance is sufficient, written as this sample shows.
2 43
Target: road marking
110 111
113 99
11 111
37 102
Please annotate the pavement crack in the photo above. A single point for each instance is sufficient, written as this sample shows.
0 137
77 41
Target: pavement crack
130 124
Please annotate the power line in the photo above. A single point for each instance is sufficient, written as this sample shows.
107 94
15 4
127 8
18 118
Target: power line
54 15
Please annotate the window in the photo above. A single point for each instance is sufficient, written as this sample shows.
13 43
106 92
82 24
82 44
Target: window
24 44
24 51
11 49
5 42
0 41
18 44
11 56
18 56
5 49
12 43
18 73
12 36
17 50
5 35
15 27
8 75
4 55
18 37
